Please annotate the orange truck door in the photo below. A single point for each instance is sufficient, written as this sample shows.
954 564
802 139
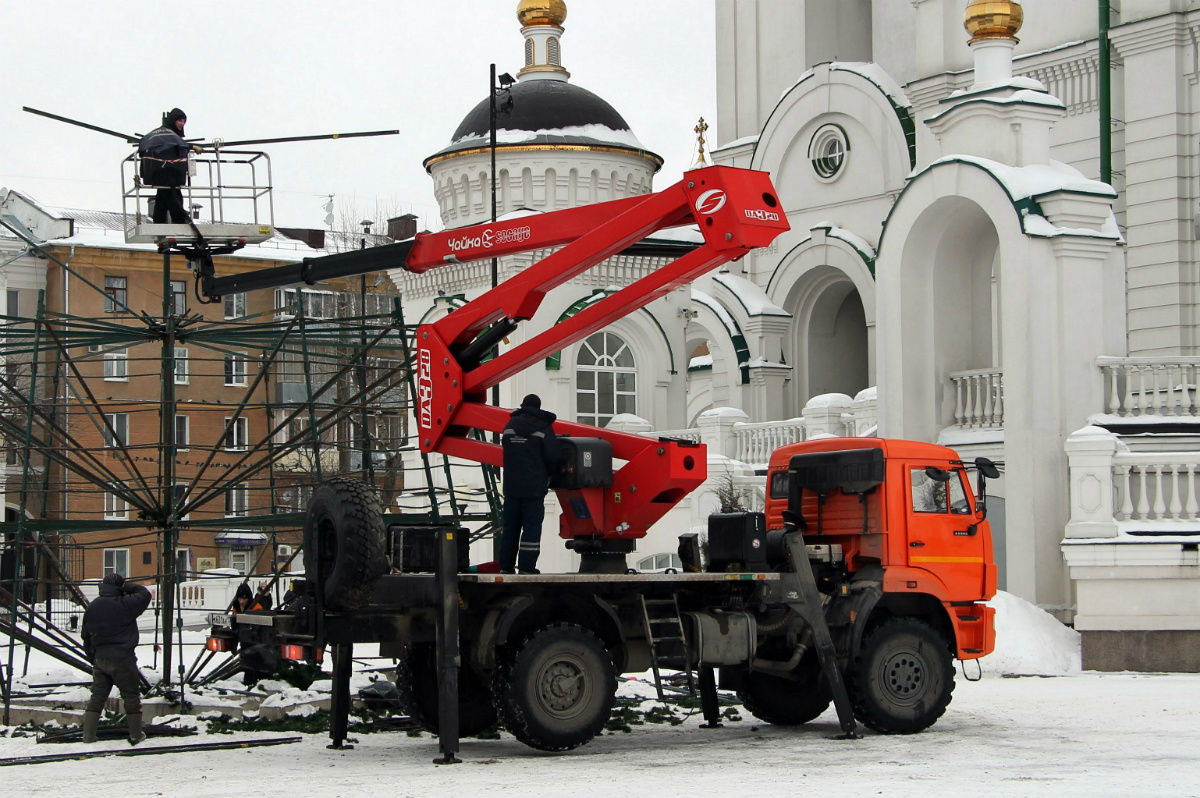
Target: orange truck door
942 534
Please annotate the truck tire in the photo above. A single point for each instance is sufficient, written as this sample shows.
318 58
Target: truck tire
903 677
344 528
556 691
787 702
416 679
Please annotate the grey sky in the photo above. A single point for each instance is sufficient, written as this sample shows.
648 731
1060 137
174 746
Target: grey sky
256 69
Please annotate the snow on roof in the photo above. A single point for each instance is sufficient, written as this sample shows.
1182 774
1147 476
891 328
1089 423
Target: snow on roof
731 326
106 230
753 299
853 239
877 75
872 72
738 143
1026 96
1030 182
598 133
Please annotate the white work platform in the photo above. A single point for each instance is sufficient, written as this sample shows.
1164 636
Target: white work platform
213 232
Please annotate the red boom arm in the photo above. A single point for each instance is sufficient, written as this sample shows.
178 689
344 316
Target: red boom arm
736 209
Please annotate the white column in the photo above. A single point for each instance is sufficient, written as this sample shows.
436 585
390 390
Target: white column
1090 453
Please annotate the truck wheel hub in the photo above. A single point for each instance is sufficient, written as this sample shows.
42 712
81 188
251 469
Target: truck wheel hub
904 674
561 686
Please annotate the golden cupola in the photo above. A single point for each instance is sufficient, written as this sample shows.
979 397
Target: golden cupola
993 19
542 12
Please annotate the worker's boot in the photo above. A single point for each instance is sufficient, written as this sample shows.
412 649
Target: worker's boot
91 722
136 735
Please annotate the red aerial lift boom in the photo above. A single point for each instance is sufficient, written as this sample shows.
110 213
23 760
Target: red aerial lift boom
736 210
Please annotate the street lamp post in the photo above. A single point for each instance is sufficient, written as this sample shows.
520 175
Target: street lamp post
497 107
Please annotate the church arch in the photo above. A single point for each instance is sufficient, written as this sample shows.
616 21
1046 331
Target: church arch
826 284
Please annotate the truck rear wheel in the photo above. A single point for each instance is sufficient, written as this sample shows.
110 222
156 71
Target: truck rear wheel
344 542
557 690
416 679
903 677
787 702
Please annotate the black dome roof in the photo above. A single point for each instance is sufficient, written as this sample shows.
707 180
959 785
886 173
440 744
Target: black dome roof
547 105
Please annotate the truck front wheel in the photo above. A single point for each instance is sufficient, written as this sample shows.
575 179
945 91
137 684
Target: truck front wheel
557 690
903 677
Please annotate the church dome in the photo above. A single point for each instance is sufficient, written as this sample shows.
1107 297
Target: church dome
993 19
546 114
542 12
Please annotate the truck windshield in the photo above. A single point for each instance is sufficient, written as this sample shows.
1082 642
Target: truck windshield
931 496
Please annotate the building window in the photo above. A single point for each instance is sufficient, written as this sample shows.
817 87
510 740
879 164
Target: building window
235 369
116 561
237 501
316 304
115 289
116 365
180 495
240 561
179 297
14 303
118 424
529 52
235 306
115 508
183 561
606 380
181 365
552 50
238 434
828 150
183 432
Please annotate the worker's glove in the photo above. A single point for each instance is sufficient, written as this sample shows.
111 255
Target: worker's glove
196 148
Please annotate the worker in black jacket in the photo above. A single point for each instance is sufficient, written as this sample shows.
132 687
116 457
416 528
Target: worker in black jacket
110 638
164 156
531 454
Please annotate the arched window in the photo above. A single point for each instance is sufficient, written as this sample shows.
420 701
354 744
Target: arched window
552 50
529 52
606 380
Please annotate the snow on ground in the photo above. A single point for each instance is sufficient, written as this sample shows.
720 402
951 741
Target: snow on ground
1072 734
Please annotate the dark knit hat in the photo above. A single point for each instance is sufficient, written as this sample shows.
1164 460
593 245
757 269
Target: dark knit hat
175 116
532 400
114 579
244 591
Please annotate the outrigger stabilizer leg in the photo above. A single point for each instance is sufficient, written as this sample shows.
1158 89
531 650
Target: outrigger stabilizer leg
803 598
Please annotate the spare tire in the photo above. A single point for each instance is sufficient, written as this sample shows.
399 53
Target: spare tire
344 543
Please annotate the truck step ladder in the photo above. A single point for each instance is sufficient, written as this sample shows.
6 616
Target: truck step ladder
664 629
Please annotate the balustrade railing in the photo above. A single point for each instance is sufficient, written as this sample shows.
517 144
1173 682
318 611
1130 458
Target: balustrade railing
1143 387
978 398
1156 487
753 443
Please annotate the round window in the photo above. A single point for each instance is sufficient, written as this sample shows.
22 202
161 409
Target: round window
828 150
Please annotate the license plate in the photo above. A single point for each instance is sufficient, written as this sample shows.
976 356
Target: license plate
219 619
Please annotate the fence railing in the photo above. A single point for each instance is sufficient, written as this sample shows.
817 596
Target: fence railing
979 398
1150 387
754 442
1156 487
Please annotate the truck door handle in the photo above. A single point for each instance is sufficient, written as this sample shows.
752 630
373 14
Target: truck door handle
917 543
968 532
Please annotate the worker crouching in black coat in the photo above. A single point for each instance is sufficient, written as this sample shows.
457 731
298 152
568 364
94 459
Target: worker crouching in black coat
531 455
110 638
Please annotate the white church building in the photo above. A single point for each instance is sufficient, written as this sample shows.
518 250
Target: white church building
956 272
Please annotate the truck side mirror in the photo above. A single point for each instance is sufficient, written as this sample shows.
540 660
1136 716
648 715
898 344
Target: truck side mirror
937 474
987 468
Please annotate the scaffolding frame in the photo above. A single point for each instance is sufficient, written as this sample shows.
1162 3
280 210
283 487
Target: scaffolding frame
345 367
